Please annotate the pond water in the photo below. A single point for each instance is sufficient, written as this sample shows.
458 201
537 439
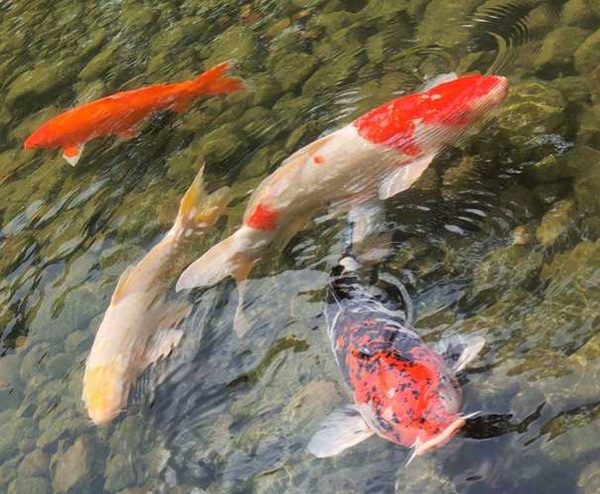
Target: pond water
498 238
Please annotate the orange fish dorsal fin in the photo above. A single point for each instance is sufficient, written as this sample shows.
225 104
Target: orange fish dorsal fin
119 292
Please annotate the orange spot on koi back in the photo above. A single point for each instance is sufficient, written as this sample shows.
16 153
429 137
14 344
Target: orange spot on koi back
319 160
263 218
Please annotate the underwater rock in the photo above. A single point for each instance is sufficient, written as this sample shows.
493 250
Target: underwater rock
11 430
45 78
34 464
120 473
239 43
558 48
587 182
137 15
266 89
575 441
73 467
30 485
8 471
34 361
587 56
507 268
555 223
435 27
99 64
588 133
552 192
9 371
589 479
532 110
331 75
222 143
578 13
58 365
293 69
575 89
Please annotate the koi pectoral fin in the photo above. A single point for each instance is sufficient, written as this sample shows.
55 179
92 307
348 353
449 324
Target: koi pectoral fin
161 344
341 430
73 153
404 176
460 350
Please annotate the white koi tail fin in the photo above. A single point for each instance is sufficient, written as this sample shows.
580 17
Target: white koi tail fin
227 258
199 210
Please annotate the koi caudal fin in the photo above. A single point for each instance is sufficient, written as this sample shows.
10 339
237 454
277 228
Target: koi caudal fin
199 210
214 81
229 257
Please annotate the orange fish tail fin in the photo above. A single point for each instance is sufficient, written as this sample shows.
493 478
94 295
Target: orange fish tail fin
214 81
199 210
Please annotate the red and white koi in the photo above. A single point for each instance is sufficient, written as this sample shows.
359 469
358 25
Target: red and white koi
122 113
140 325
379 155
403 390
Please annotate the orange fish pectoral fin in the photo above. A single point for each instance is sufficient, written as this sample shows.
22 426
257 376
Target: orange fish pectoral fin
72 153
129 133
182 104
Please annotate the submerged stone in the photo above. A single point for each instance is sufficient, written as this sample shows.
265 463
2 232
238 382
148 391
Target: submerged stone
73 467
293 69
29 485
507 268
587 56
34 464
120 473
559 46
532 111
555 223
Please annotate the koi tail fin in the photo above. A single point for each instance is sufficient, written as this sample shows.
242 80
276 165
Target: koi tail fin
214 81
227 258
199 210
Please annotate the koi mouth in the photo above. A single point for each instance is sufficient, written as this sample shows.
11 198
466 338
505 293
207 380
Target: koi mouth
420 448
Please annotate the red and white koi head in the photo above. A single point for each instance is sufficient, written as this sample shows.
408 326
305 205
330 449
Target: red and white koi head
416 123
411 399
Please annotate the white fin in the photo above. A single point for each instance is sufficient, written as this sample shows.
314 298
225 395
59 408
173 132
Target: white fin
438 79
366 219
460 350
161 344
341 430
121 285
73 153
240 323
198 210
221 260
404 176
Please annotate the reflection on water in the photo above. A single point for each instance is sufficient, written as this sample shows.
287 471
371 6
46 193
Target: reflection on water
499 238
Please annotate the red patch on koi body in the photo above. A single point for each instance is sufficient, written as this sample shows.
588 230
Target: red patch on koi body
392 125
319 160
263 218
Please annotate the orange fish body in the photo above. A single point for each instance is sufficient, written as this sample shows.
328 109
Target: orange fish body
120 113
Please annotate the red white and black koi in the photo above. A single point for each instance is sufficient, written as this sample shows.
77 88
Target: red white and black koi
403 390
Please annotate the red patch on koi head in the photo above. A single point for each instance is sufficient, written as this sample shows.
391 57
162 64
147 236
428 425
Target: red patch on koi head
262 218
458 102
411 396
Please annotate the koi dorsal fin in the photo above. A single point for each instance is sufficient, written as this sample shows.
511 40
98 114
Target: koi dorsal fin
119 292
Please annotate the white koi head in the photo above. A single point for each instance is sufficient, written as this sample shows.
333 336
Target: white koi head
105 391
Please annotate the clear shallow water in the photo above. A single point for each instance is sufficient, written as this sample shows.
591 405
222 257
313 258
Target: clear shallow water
498 238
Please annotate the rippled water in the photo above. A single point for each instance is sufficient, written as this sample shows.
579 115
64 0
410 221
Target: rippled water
499 237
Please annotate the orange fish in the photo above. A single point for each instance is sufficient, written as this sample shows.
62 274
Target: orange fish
120 113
